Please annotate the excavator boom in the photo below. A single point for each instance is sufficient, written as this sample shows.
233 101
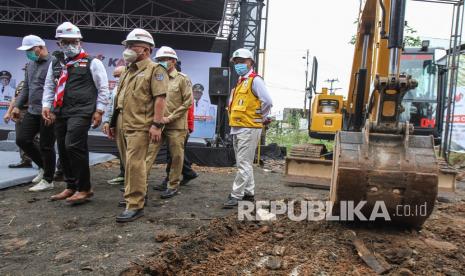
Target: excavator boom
376 158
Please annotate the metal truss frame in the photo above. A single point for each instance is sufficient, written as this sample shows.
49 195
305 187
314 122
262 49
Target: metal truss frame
171 22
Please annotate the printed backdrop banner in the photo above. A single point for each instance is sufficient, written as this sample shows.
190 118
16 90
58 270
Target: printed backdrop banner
195 64
458 130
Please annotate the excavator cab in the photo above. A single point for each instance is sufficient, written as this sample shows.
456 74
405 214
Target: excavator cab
326 115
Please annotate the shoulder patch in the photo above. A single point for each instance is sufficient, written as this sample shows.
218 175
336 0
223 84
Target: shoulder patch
159 77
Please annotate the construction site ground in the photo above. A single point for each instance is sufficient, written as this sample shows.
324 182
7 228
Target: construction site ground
191 234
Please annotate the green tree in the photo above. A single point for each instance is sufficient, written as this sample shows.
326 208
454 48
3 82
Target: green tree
410 37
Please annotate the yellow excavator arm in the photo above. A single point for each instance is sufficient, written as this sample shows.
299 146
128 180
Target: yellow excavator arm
376 159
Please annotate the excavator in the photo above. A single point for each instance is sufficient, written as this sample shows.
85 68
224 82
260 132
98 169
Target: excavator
377 155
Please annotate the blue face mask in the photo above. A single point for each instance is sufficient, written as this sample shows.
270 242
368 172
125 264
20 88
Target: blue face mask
164 64
31 55
241 69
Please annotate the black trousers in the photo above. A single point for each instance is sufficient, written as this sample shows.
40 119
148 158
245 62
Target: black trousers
44 156
187 170
71 133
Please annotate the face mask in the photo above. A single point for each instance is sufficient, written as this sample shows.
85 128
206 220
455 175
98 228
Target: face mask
129 55
71 50
164 64
31 55
241 69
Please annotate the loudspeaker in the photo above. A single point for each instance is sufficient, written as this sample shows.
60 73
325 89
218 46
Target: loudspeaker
218 83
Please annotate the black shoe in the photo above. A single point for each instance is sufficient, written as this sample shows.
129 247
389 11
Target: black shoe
122 203
162 187
250 198
186 179
122 189
168 193
129 215
21 164
231 202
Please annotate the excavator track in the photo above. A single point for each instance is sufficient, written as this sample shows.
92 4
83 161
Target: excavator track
399 170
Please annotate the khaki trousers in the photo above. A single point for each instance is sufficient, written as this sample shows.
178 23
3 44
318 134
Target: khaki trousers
120 143
175 139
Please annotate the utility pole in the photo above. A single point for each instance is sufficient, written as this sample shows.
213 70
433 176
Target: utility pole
332 81
306 85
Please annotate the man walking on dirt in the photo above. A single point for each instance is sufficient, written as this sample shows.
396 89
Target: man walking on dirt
32 122
75 96
140 105
249 104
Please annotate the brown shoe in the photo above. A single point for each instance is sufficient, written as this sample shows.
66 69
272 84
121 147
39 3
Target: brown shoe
63 195
80 197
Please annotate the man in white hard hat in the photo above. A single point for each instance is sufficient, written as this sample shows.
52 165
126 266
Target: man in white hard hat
249 104
178 101
32 122
140 105
75 97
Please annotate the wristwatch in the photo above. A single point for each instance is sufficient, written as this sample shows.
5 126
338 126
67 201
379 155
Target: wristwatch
158 125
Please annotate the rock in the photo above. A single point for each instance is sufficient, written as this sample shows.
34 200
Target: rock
278 236
273 263
442 245
164 236
398 255
14 244
450 272
264 229
402 272
64 257
264 215
446 199
278 250
322 273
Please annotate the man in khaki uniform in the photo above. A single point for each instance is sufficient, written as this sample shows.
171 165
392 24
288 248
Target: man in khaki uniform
140 105
178 101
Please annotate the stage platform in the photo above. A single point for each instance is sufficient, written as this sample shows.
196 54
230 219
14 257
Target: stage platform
13 177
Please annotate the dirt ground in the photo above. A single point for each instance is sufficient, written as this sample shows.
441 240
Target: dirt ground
191 235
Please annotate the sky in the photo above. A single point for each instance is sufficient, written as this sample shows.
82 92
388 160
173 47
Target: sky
325 28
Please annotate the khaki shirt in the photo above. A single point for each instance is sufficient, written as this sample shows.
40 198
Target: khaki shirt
178 100
139 85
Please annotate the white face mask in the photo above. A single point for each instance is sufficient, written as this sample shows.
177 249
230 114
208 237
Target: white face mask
71 50
129 55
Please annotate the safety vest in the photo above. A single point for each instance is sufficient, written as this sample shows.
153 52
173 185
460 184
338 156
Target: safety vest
245 107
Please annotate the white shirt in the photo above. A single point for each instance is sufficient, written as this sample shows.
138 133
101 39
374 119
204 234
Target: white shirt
258 89
202 107
7 93
99 75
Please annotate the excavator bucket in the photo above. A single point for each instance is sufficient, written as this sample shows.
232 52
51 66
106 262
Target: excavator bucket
400 171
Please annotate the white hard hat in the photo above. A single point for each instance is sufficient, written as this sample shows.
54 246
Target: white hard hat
242 53
166 51
31 41
68 30
139 35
